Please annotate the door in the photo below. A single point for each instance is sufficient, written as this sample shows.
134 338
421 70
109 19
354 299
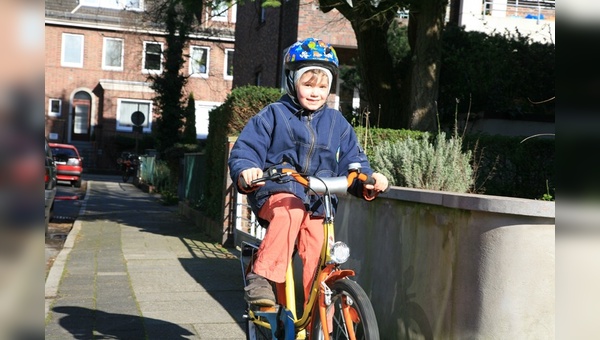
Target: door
80 119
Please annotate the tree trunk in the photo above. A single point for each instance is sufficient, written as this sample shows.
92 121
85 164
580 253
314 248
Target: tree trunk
377 68
422 81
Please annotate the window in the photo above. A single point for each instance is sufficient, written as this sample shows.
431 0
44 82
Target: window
152 57
223 10
54 107
263 15
202 116
257 78
282 80
219 13
112 55
199 58
126 107
228 72
72 50
136 5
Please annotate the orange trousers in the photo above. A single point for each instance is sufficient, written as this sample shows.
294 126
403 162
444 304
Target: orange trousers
289 224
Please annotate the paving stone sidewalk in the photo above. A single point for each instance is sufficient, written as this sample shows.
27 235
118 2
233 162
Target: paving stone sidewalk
134 269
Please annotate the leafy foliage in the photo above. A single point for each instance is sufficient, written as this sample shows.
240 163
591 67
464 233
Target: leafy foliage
189 129
502 165
498 74
169 84
518 169
228 120
440 164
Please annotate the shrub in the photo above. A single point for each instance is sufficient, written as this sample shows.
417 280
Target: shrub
227 120
498 74
440 164
370 138
518 169
163 179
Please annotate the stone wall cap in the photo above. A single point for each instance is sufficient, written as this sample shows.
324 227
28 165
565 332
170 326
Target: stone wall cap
475 202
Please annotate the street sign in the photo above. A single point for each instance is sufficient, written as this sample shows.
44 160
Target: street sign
138 118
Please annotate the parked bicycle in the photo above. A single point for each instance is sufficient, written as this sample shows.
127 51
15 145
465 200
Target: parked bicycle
338 307
128 164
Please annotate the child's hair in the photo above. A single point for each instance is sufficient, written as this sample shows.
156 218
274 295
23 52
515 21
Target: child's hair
316 75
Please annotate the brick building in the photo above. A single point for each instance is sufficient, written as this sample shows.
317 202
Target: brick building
263 35
99 54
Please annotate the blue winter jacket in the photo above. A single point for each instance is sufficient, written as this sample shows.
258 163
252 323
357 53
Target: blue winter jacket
321 143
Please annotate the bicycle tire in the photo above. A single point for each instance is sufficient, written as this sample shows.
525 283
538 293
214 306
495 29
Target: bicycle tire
365 329
255 332
125 177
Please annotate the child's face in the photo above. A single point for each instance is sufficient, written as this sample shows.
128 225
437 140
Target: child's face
312 90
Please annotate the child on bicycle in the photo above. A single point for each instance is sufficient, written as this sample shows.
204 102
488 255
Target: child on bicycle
300 132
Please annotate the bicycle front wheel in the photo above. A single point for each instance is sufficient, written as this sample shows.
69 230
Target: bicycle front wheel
360 318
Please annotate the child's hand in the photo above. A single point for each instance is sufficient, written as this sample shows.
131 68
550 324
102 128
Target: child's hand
249 175
381 182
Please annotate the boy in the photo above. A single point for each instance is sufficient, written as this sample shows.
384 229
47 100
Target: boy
298 131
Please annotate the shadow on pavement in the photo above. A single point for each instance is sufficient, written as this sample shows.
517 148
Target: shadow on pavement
84 323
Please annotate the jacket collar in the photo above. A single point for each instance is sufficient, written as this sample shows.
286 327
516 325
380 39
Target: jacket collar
296 109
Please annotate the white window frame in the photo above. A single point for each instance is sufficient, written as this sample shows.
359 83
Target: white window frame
147 126
104 55
191 70
63 50
144 70
221 12
263 16
203 109
233 11
113 4
226 58
52 113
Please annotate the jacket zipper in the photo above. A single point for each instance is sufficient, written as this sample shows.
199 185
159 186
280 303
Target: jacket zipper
312 143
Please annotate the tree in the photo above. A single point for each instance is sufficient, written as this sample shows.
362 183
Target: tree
178 18
414 108
425 28
189 129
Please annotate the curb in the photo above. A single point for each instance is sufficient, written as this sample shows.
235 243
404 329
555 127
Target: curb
57 269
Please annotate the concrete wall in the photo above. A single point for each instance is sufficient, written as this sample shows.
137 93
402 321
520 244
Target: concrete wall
447 265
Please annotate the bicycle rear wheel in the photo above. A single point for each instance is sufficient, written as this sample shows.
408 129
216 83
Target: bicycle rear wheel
348 294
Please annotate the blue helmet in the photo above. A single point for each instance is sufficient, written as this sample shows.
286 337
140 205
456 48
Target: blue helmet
305 53
311 52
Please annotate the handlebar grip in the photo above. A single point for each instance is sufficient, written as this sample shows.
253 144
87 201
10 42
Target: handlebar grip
245 186
369 180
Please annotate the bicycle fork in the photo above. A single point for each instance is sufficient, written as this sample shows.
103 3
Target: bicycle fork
328 277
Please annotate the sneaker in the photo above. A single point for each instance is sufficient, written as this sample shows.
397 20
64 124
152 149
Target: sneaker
258 292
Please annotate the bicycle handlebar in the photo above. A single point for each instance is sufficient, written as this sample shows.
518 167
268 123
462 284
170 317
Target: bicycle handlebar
317 185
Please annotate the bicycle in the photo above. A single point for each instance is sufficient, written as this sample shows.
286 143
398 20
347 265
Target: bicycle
338 307
128 164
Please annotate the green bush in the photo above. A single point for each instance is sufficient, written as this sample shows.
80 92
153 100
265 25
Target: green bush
501 165
228 120
496 74
507 166
164 180
369 139
440 164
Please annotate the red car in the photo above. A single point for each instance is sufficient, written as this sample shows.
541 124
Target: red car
69 165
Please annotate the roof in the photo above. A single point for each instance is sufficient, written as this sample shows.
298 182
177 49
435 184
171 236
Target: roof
71 13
